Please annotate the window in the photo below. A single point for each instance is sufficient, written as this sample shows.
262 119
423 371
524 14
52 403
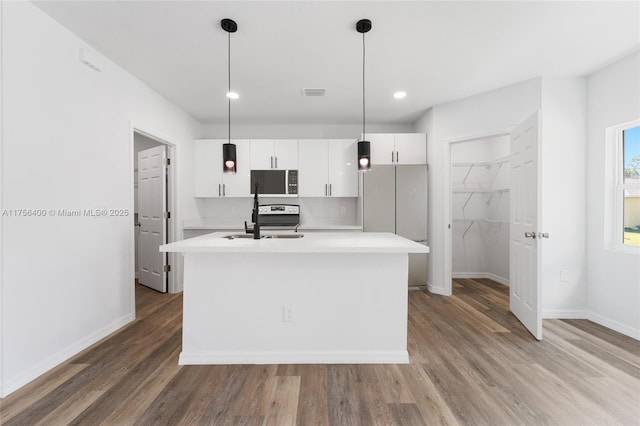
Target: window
628 186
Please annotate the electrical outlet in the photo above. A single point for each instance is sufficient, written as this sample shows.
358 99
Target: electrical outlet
564 275
288 314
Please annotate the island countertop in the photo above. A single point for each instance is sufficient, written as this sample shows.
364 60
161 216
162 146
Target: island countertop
330 242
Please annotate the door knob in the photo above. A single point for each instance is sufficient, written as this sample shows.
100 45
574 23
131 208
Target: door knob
530 235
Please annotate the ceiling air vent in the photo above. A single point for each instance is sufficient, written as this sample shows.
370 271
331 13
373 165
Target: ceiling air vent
313 92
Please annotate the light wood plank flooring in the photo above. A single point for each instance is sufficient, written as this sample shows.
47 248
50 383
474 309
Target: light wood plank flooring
472 363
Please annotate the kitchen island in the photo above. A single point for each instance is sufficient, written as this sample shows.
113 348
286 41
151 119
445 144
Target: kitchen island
323 298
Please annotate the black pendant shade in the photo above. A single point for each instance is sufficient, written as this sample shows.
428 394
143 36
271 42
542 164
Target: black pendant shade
229 160
364 156
363 26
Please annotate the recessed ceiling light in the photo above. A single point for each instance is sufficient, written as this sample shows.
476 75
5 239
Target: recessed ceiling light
232 95
400 95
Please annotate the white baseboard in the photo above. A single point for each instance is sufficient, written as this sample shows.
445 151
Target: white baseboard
295 357
63 355
591 316
487 275
564 314
437 290
614 325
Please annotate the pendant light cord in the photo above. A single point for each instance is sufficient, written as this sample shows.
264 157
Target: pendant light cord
229 91
363 91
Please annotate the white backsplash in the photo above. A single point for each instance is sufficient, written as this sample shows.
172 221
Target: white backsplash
323 210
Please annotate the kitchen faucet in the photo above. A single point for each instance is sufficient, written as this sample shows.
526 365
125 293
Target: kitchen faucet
254 217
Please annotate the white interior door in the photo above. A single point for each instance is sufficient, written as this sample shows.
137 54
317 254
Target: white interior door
152 205
524 252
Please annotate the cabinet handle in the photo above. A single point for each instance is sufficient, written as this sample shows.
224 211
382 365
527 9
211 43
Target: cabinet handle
276 161
271 164
224 190
326 189
219 191
392 156
397 156
330 190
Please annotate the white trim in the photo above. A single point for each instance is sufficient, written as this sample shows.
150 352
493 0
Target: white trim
614 136
486 275
295 357
448 198
2 321
174 286
58 358
593 317
614 325
564 314
438 290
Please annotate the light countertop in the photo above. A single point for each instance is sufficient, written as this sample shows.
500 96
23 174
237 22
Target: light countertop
316 242
223 224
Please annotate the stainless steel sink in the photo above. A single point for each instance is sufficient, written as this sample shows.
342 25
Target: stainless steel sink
237 236
250 236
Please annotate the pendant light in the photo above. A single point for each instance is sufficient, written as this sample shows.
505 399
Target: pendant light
363 26
229 161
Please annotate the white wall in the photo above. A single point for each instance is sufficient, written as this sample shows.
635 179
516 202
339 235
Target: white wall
564 213
472 117
67 144
614 277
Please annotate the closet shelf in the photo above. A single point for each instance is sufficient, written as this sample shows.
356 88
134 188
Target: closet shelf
471 192
470 223
486 164
480 219
479 191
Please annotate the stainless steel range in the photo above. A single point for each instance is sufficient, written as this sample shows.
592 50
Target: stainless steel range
279 215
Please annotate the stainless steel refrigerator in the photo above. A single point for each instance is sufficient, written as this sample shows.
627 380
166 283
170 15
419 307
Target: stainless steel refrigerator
395 200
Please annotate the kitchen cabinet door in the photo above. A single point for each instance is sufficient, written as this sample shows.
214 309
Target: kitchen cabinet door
238 184
285 152
208 168
343 171
382 148
411 148
261 154
313 178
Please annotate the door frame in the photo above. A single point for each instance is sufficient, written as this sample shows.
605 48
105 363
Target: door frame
172 205
448 200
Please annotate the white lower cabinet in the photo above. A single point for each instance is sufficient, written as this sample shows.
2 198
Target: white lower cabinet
328 168
210 181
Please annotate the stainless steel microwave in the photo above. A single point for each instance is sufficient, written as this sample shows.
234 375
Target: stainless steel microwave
275 183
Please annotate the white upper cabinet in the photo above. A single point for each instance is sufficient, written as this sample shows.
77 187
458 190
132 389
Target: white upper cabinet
411 148
343 170
210 181
382 148
274 154
313 176
328 168
399 148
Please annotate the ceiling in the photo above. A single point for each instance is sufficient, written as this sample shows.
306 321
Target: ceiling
435 51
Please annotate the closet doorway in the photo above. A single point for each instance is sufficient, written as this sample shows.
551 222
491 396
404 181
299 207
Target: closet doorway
480 209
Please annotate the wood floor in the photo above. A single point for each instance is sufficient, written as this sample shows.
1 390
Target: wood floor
472 363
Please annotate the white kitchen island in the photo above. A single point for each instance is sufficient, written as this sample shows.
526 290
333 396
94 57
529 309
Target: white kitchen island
324 298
